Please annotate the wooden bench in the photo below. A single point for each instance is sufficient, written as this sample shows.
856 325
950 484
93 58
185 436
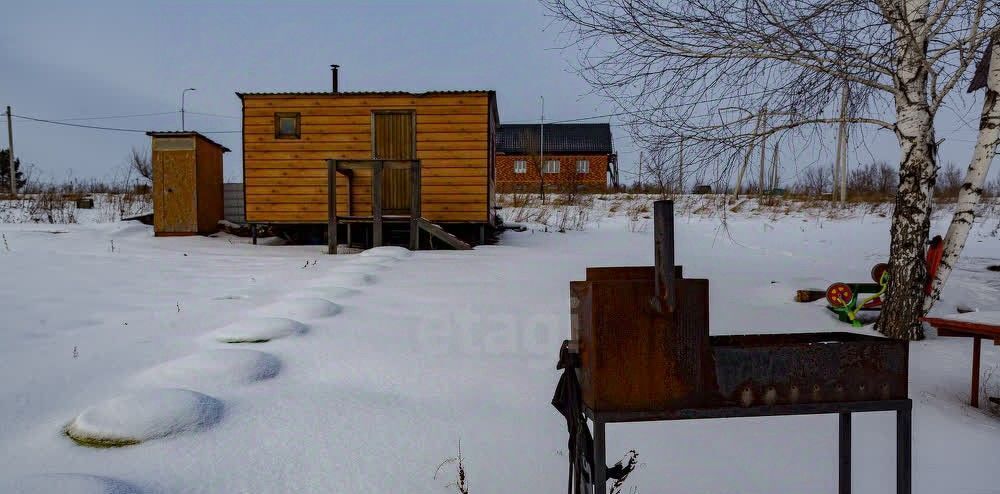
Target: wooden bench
975 325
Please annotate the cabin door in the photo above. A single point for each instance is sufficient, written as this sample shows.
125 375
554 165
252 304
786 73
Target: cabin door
394 138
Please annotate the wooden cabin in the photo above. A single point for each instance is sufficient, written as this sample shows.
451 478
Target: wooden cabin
187 183
291 139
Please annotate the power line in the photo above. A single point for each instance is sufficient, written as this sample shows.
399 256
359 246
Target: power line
660 108
109 117
113 129
572 119
78 125
212 114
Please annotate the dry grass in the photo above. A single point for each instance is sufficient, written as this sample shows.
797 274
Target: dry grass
990 387
123 196
584 211
98 442
461 482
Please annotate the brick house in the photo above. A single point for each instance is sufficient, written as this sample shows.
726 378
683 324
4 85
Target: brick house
576 155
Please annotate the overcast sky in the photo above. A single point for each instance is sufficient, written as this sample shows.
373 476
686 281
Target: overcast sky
78 60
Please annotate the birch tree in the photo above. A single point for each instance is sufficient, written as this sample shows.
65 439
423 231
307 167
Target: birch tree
988 77
704 69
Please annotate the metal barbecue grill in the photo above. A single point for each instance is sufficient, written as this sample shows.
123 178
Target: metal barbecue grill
641 351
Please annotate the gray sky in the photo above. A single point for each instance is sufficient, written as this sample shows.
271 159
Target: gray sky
94 59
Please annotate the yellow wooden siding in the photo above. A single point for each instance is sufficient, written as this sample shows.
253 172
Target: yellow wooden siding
286 179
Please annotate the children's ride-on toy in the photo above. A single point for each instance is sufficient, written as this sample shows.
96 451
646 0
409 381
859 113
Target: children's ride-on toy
843 298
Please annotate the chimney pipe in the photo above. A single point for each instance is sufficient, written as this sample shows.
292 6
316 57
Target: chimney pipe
663 237
333 68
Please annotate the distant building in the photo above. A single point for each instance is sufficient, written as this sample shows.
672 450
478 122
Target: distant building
575 155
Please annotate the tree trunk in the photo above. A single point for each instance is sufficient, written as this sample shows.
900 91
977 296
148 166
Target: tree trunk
975 177
904 303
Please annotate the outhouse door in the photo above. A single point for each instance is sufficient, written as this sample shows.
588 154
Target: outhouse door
394 138
174 185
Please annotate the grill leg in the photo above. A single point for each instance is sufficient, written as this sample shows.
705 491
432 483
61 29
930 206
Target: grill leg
904 458
845 454
976 350
600 460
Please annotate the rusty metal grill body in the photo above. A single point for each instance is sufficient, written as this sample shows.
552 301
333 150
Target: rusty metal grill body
642 337
788 369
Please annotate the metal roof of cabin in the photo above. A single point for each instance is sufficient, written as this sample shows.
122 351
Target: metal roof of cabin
458 92
185 133
363 93
559 138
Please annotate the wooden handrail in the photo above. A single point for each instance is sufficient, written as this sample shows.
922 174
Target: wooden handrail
377 166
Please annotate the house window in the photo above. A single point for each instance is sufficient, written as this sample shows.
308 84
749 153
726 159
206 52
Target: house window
551 166
582 166
287 125
520 166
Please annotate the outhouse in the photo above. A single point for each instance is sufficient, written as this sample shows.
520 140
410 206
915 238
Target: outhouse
187 183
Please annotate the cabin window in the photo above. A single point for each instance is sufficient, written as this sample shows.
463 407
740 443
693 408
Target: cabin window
551 166
287 125
582 166
520 166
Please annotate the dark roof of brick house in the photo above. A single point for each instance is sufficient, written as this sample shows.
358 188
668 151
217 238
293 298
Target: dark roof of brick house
559 138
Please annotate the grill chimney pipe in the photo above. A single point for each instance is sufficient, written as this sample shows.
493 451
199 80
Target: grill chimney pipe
663 237
333 69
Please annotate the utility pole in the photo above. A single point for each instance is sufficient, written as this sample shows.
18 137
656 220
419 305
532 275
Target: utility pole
843 167
182 105
746 159
763 152
840 167
541 154
774 166
639 187
680 168
10 154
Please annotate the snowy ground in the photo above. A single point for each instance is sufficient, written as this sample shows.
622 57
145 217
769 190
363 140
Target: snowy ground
373 390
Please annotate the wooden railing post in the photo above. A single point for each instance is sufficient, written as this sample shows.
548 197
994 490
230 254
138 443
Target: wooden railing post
350 192
415 213
377 203
331 206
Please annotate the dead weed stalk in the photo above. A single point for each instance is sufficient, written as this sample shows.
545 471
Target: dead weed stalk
461 482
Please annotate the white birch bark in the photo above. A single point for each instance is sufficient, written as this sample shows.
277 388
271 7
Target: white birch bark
901 313
975 177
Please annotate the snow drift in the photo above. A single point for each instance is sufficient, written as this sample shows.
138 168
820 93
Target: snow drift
387 251
258 330
301 308
218 367
144 415
67 483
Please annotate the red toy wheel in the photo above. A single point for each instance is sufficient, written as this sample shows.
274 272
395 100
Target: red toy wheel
878 271
839 295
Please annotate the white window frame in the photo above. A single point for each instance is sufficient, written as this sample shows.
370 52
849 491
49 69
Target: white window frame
520 166
583 166
551 166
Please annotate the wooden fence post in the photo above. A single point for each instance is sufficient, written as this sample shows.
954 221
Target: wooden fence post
415 212
377 203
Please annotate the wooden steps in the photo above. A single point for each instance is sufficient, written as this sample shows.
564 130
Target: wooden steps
442 235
